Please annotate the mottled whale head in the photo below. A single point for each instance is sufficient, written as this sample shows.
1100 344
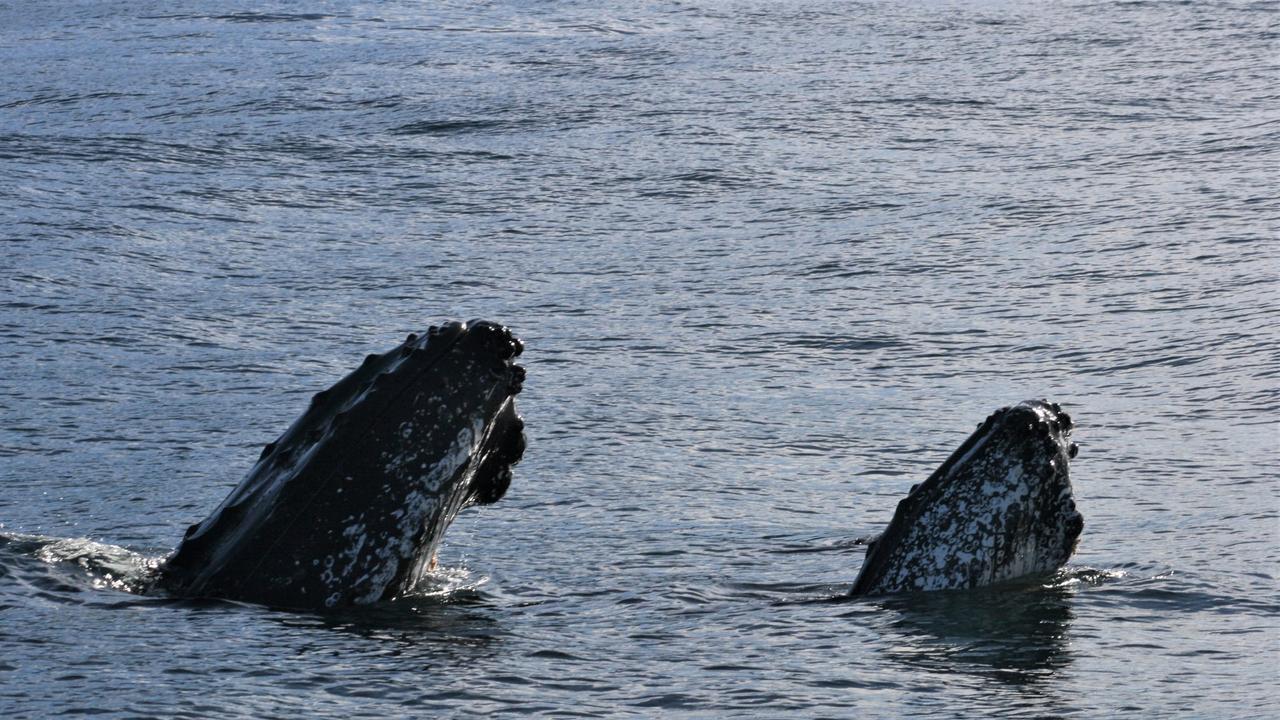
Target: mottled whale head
1000 508
349 505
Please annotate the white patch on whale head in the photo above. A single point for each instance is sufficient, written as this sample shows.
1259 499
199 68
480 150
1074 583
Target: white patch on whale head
422 504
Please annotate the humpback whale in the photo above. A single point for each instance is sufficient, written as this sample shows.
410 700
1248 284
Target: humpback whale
1000 508
349 505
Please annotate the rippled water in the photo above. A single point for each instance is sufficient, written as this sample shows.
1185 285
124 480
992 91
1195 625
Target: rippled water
771 261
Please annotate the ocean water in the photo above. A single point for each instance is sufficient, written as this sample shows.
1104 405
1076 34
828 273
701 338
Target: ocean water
771 263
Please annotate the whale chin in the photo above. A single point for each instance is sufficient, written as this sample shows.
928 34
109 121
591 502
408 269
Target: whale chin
349 505
999 509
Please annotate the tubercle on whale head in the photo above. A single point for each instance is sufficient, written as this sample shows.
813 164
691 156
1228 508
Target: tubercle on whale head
505 441
379 369
1040 416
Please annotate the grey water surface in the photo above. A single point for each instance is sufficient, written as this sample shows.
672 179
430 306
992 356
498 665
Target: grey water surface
772 262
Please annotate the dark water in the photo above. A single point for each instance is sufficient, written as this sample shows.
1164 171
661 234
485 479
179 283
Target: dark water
772 262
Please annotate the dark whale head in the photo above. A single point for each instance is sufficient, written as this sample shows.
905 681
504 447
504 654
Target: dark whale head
349 505
999 508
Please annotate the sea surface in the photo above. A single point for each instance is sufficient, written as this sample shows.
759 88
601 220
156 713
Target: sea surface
772 262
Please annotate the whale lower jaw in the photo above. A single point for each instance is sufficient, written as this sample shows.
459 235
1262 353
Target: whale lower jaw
349 505
1000 508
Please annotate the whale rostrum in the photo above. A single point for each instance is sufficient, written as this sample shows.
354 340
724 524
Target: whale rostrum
1000 508
349 505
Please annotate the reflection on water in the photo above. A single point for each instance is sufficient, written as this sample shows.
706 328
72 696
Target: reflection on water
1015 633
424 627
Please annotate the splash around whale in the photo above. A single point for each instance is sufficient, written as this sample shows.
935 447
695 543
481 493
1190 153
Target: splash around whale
349 505
999 509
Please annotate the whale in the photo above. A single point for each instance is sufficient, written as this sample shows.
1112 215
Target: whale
350 504
999 509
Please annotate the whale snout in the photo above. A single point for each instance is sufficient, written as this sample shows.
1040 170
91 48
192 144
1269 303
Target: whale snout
366 482
1000 508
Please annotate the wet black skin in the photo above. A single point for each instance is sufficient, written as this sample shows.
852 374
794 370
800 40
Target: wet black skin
349 505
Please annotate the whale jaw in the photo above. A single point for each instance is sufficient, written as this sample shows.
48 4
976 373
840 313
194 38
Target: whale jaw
1000 508
349 505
